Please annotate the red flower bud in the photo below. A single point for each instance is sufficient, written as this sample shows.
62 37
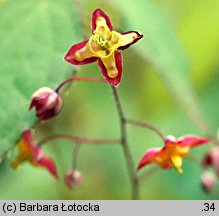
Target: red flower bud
46 102
212 159
208 181
73 178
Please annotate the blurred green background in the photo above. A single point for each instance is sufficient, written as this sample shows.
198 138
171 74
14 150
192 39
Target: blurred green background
170 79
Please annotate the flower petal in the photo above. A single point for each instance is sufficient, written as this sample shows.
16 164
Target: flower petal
111 68
191 141
80 54
208 160
148 157
48 163
31 152
212 159
215 159
170 140
129 38
97 14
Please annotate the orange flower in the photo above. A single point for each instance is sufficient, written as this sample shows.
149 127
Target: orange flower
173 152
102 47
32 153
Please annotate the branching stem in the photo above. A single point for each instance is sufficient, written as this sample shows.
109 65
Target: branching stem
78 139
72 79
145 125
127 152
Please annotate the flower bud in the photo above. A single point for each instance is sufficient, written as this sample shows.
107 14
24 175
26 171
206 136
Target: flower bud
46 102
212 159
73 178
208 181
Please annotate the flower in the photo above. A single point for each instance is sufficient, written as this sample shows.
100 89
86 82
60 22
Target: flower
29 151
208 181
212 159
172 153
73 178
47 103
102 47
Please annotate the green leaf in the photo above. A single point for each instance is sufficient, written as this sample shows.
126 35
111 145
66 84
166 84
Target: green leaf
35 36
161 48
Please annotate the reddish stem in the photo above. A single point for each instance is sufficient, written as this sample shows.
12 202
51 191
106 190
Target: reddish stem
78 140
71 79
148 126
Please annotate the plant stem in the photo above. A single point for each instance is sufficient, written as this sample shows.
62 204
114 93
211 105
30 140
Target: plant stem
146 174
127 153
78 139
71 79
148 126
75 156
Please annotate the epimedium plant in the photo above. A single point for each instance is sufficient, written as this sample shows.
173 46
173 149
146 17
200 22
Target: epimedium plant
103 46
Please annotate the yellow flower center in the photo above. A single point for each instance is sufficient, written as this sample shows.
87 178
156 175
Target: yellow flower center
176 153
102 44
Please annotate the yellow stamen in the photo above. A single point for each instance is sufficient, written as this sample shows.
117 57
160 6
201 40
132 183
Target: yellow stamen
83 53
110 66
176 162
104 42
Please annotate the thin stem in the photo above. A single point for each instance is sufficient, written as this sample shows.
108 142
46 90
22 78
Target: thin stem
127 152
71 79
146 174
78 139
75 156
148 126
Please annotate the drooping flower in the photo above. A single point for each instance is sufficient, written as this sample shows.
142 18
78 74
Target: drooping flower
102 47
208 181
29 151
47 103
173 152
212 159
73 178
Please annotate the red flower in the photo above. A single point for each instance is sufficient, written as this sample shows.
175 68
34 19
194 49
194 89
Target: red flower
172 153
47 103
29 151
102 47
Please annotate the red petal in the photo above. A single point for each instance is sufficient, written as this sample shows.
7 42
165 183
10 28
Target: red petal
27 136
170 139
69 56
99 13
191 141
148 157
49 164
118 60
134 41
